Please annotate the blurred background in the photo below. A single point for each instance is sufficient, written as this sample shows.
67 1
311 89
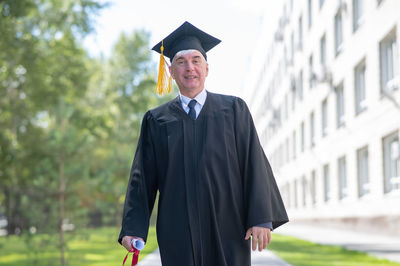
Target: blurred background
321 78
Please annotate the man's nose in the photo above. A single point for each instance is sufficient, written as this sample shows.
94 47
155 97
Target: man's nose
189 66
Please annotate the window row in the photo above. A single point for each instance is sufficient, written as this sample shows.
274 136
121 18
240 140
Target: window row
389 82
358 14
358 8
296 43
313 190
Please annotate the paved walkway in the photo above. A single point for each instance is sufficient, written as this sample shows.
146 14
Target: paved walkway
264 258
387 247
152 259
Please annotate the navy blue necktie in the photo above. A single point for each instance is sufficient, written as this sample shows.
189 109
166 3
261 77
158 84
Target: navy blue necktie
192 112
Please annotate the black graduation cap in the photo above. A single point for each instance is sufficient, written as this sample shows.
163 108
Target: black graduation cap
186 37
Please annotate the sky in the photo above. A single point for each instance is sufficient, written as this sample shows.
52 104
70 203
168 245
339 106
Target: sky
236 22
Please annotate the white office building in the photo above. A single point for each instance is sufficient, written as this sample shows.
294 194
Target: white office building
324 91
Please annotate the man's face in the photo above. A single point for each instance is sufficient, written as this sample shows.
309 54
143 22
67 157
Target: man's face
189 70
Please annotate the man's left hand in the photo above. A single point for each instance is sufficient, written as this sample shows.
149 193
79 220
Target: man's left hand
260 235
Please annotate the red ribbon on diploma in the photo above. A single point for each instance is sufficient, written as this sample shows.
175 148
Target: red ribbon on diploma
135 256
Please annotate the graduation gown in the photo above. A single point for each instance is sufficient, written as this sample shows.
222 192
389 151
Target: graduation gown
214 181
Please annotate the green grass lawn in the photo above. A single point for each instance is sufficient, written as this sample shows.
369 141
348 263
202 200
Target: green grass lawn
303 253
98 247
90 247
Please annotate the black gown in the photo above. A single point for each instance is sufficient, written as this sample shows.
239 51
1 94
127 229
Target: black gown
214 180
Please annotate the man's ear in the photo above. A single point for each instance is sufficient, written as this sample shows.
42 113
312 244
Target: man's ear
171 71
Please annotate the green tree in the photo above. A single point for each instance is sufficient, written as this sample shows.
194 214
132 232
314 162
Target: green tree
32 33
69 124
129 91
43 76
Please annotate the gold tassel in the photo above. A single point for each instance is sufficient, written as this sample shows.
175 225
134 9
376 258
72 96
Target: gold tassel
164 82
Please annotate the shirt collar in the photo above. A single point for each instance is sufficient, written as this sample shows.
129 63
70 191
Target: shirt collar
200 98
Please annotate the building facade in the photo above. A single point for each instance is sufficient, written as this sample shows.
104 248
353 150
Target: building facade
324 90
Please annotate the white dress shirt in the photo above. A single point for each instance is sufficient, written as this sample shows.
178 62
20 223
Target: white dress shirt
200 98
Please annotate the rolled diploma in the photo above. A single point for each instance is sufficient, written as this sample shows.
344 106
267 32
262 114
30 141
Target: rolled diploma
138 244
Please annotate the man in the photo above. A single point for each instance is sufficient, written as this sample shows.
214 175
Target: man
202 153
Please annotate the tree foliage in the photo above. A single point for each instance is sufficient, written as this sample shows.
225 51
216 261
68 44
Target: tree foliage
69 123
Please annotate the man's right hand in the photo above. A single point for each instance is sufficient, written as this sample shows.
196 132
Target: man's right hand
126 241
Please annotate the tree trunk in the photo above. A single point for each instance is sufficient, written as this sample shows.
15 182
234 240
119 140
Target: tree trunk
13 205
13 201
9 214
61 199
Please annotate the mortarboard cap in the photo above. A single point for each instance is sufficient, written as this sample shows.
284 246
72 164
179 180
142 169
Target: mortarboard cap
186 37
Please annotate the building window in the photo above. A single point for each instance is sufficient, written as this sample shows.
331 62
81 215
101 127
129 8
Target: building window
389 60
358 12
292 48
295 193
311 71
277 117
391 154
285 56
300 44
312 130
359 86
339 106
304 190
323 50
287 159
324 116
294 145
362 171
302 141
313 187
338 32
300 85
293 89
342 177
309 13
327 187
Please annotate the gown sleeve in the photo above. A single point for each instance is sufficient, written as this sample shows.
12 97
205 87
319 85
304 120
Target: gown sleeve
262 198
142 186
